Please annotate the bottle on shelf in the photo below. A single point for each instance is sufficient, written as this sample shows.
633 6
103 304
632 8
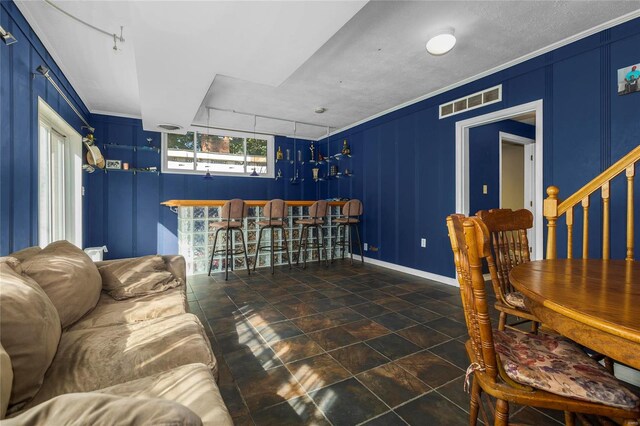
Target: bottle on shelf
279 154
345 148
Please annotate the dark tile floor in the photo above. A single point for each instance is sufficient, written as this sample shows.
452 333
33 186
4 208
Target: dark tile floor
341 345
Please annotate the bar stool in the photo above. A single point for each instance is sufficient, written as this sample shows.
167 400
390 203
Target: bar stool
275 212
232 215
351 212
317 213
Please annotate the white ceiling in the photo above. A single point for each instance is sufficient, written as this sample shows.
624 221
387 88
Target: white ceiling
284 59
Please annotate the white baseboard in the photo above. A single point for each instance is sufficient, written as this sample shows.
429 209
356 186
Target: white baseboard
417 272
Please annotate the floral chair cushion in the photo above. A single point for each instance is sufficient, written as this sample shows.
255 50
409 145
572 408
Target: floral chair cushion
516 299
556 365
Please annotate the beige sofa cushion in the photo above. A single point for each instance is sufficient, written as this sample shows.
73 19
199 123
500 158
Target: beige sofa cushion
29 332
97 409
191 385
13 262
95 358
69 278
6 379
26 253
109 311
136 277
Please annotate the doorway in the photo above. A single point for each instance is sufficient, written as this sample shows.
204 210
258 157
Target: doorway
505 170
59 179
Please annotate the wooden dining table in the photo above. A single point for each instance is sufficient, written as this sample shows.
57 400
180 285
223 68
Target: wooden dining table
593 302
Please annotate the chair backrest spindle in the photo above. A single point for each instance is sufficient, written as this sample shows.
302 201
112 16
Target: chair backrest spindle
470 244
509 245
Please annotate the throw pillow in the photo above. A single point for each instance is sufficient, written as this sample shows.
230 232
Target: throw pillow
6 379
30 333
12 262
68 276
26 253
139 276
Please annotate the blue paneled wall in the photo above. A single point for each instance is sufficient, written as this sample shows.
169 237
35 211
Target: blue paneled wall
124 209
19 93
405 160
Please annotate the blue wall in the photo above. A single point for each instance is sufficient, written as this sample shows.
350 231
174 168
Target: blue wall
124 209
19 94
484 167
406 159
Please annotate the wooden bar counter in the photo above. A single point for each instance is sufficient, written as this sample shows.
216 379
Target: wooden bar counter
195 233
250 203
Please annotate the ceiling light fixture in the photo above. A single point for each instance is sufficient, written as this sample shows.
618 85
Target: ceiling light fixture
320 110
7 37
442 42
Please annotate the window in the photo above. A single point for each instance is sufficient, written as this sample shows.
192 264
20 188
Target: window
228 153
59 179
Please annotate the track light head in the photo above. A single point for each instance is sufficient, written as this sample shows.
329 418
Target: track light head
7 37
43 70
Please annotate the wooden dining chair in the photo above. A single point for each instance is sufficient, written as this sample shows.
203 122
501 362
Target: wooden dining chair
509 247
539 370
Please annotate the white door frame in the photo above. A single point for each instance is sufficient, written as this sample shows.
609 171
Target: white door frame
73 211
463 161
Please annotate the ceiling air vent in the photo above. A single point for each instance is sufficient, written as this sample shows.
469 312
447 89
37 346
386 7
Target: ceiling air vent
169 127
476 100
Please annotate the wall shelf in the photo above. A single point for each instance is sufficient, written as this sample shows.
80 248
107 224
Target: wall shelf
133 148
134 171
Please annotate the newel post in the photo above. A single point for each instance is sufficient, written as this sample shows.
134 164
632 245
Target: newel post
551 213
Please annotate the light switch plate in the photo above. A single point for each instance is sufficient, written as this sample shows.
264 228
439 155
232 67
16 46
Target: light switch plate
423 242
366 246
485 190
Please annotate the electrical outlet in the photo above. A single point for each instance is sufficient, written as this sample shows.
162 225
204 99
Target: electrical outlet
83 191
485 189
366 246
423 242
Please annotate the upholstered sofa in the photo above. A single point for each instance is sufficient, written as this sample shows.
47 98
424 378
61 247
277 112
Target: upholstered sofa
102 343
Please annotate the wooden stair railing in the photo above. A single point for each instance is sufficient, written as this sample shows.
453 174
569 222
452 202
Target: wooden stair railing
553 209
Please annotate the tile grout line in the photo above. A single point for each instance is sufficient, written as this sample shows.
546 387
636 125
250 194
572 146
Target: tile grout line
306 393
269 344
